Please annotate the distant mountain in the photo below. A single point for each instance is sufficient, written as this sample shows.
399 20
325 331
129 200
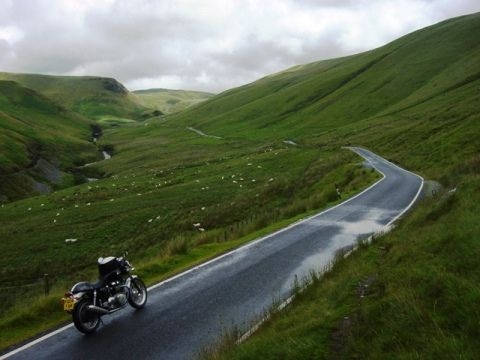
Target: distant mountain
91 96
40 142
170 101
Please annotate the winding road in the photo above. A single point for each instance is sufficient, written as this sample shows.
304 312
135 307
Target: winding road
193 309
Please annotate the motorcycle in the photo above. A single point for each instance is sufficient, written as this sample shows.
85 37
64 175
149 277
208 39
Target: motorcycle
117 286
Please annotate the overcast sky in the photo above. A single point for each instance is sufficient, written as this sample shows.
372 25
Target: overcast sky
207 45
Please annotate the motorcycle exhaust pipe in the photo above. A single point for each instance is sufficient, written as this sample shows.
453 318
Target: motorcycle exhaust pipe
98 309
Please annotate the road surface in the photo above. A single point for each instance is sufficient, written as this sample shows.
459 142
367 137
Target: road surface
193 309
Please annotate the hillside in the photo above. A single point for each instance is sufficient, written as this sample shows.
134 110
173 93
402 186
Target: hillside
39 142
257 157
422 67
91 96
422 84
170 101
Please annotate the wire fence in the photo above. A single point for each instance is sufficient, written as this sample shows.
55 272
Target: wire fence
44 281
12 292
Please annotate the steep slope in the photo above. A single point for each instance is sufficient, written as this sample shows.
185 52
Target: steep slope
416 68
39 140
171 101
91 96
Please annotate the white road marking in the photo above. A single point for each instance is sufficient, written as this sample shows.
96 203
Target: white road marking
36 341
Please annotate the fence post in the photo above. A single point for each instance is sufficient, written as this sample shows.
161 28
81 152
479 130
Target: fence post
47 284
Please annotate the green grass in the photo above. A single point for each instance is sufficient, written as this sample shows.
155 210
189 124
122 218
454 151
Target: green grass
170 101
114 214
413 101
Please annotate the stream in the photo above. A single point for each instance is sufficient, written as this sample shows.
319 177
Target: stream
96 134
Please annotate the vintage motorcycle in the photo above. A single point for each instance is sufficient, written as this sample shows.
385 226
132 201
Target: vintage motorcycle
116 287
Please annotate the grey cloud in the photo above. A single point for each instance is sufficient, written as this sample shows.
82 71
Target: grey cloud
198 45
331 3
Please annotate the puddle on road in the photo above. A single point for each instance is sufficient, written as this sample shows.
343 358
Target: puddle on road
373 220
367 222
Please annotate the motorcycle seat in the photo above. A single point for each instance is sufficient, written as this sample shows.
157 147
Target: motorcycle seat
94 286
97 285
86 286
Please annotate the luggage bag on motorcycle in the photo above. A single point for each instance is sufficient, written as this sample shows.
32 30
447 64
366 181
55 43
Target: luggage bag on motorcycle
107 265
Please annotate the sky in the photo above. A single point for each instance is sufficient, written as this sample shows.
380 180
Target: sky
208 45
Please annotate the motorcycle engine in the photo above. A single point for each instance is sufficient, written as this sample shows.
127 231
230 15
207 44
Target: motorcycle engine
119 299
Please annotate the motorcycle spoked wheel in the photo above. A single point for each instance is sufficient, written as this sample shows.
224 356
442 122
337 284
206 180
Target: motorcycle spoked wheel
138 294
85 321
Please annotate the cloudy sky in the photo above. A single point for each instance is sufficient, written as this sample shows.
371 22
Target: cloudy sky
207 45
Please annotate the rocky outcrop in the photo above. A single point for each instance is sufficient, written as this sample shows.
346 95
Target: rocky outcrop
114 86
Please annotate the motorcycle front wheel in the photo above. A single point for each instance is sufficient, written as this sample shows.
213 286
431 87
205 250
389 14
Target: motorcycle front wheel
85 321
138 294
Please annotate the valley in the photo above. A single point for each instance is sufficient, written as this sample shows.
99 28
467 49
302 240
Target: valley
249 161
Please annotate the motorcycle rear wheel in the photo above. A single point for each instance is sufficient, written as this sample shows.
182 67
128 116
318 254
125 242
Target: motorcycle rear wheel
85 321
138 294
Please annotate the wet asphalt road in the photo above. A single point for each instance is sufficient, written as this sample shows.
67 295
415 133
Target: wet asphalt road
192 310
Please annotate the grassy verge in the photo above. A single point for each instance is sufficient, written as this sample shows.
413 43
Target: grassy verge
28 318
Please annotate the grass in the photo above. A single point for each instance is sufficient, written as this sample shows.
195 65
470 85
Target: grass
414 101
170 101
142 209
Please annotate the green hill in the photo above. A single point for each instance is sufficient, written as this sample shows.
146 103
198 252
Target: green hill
170 101
418 68
229 164
39 141
91 96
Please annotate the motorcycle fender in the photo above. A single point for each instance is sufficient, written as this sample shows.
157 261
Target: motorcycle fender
129 280
78 296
